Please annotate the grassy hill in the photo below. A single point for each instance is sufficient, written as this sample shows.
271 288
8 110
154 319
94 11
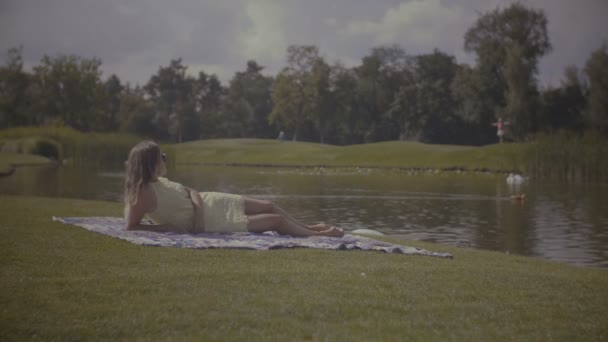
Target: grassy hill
383 154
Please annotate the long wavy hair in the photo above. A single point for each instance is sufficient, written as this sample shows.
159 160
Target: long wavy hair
141 166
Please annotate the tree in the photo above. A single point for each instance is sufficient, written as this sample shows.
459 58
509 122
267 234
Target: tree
286 112
15 102
596 69
520 93
405 110
172 93
434 75
250 101
496 31
380 77
475 105
113 89
320 92
138 115
563 107
209 97
291 94
349 124
508 44
70 91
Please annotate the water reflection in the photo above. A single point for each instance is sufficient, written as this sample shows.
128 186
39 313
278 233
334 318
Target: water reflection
562 222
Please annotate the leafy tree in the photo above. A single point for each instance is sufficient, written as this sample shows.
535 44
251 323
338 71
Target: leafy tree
15 102
172 93
349 125
563 107
71 90
286 112
474 105
209 96
138 115
291 93
434 75
520 93
380 77
495 32
405 109
249 102
322 104
596 69
508 44
113 89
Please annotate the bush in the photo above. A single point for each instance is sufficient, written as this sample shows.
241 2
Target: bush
47 148
39 146
68 143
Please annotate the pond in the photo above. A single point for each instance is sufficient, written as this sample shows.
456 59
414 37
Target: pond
557 221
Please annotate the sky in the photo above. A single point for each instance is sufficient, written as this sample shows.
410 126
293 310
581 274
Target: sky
133 38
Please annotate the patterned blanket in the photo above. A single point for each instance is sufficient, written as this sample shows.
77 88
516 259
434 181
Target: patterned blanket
114 226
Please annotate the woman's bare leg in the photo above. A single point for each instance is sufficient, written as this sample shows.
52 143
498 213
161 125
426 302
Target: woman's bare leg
265 222
255 206
315 227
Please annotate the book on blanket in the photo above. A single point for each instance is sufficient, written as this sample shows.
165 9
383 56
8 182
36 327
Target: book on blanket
114 227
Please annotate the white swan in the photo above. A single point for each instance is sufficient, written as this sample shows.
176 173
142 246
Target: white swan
514 179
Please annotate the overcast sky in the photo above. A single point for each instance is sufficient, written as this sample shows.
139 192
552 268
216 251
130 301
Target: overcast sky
133 38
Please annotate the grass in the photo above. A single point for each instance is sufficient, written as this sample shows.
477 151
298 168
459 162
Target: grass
384 154
60 282
7 160
562 156
567 156
77 147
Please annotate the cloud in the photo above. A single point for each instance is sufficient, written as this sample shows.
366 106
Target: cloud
218 70
133 38
87 28
575 29
263 39
420 22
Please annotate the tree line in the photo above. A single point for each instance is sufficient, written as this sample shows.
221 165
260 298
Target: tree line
390 95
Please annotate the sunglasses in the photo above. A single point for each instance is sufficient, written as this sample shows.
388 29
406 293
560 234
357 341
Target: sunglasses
164 157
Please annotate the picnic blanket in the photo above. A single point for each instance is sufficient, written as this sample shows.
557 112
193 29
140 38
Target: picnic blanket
114 227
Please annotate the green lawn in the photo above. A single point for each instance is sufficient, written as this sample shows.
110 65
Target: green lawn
505 157
8 159
383 154
60 282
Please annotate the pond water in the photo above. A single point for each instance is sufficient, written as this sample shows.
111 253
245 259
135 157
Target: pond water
557 221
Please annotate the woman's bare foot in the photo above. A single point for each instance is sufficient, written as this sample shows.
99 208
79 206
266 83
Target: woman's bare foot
332 232
319 227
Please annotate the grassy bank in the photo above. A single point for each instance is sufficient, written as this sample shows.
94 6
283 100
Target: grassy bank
559 156
63 282
8 160
504 157
66 143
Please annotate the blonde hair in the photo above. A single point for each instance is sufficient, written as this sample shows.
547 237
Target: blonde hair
141 168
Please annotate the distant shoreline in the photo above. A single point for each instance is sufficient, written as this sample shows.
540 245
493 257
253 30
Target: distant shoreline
325 166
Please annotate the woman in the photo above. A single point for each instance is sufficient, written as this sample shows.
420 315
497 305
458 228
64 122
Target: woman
174 207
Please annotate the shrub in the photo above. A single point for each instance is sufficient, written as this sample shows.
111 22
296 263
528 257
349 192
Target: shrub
47 148
65 142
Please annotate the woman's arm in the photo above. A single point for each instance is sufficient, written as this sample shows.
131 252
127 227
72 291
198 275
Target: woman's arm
197 204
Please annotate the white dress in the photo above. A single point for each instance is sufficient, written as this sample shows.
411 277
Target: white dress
222 212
